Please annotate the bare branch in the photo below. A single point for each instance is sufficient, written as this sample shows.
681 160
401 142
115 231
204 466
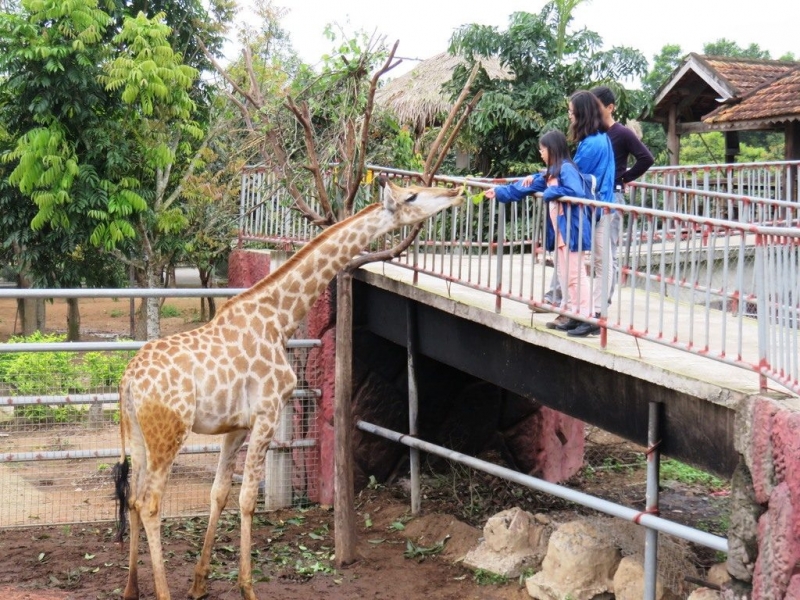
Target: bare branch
448 144
388 65
303 117
427 173
219 68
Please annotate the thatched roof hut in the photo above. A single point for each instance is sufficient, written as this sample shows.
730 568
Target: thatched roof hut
416 98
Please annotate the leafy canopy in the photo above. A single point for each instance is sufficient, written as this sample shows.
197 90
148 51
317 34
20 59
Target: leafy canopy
546 62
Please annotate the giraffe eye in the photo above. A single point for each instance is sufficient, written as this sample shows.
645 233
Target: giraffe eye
411 198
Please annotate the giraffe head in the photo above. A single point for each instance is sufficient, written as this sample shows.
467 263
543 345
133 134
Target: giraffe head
412 204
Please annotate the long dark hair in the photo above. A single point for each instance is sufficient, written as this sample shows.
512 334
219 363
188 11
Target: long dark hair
557 151
587 118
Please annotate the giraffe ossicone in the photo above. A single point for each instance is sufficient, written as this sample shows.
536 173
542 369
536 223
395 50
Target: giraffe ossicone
232 376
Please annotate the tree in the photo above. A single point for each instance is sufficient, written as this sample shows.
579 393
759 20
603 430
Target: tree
726 47
103 120
547 63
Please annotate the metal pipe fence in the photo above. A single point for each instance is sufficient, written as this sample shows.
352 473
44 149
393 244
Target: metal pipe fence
720 288
59 431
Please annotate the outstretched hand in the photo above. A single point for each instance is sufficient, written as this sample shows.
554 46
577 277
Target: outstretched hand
489 194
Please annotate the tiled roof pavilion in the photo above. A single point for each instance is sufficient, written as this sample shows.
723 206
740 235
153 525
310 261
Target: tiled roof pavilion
714 93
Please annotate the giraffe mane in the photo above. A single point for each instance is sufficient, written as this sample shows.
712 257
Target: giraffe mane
300 255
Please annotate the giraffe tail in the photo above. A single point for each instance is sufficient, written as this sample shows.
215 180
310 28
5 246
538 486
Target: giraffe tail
120 473
121 489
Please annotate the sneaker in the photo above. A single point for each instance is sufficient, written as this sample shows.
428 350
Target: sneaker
569 325
559 320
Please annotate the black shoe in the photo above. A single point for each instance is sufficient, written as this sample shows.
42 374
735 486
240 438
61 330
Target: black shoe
569 325
584 329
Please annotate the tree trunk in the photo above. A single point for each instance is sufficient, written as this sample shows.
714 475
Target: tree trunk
208 307
148 326
31 311
73 320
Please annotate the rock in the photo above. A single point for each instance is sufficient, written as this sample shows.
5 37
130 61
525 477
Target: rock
629 581
513 540
704 594
579 563
718 574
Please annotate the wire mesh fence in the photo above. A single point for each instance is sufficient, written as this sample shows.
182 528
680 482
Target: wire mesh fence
59 438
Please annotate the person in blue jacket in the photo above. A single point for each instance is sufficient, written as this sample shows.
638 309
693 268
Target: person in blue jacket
594 155
568 227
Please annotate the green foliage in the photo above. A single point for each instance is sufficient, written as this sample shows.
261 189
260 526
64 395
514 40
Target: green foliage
105 369
709 148
168 311
420 553
35 373
677 471
484 577
99 119
548 62
58 373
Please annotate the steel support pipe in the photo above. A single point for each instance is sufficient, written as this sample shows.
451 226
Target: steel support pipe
615 510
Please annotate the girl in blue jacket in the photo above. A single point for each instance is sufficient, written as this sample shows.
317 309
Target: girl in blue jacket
569 230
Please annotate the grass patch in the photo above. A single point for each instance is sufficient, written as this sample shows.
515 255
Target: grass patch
673 470
169 311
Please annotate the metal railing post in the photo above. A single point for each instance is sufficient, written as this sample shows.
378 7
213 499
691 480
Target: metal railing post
651 502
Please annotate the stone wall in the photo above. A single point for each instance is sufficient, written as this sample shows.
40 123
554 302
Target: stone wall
764 537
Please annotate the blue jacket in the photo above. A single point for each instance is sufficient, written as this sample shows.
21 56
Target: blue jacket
569 184
595 156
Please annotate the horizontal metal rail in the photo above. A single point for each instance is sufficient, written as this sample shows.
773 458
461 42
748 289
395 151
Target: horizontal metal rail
629 514
109 346
120 292
116 452
81 399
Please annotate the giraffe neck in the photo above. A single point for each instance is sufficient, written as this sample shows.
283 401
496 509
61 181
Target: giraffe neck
290 292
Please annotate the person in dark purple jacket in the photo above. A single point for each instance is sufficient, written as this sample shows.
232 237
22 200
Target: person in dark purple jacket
625 144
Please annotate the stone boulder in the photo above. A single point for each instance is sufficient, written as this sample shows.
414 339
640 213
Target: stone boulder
704 594
629 581
580 563
513 540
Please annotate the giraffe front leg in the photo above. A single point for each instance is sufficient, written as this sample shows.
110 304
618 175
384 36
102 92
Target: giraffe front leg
219 497
260 438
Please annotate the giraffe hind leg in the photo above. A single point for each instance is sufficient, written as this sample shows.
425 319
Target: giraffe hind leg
219 497
260 438
163 433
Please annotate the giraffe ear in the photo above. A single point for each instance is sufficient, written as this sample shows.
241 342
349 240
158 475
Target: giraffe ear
390 195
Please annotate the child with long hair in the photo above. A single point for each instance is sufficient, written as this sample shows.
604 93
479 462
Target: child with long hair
568 227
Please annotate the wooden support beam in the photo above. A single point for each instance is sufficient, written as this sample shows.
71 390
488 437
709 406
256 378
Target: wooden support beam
344 534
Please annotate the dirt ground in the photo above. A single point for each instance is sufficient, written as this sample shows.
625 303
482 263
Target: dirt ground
293 554
399 557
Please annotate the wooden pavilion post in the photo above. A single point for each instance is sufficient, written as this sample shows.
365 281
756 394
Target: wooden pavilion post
673 139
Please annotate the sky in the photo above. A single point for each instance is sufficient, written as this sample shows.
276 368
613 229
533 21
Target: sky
424 27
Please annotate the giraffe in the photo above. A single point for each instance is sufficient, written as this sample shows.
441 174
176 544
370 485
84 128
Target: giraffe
232 376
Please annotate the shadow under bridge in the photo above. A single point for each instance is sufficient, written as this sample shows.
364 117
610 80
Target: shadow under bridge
574 377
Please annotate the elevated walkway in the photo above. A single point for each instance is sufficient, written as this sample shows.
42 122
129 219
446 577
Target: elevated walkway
608 387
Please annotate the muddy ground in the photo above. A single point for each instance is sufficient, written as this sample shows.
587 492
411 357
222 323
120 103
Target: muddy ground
399 556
